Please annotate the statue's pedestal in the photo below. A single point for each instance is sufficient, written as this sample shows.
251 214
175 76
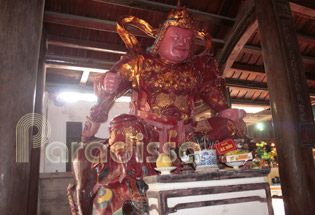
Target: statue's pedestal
238 192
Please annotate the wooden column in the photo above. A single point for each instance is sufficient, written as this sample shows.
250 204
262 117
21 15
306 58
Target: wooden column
20 27
35 152
290 104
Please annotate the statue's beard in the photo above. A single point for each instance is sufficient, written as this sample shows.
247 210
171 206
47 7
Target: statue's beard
181 52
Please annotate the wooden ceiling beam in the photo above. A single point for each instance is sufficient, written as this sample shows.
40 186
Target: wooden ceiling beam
79 21
166 8
84 77
308 60
302 37
85 44
92 23
261 70
98 46
302 10
250 102
244 26
86 22
257 51
248 68
58 87
251 85
77 63
120 49
305 38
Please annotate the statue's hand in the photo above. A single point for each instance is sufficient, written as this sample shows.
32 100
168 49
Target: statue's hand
232 114
111 82
89 130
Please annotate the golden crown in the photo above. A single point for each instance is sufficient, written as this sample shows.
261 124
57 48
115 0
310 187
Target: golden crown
178 17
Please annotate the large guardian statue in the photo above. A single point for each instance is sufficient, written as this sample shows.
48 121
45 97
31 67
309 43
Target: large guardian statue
165 80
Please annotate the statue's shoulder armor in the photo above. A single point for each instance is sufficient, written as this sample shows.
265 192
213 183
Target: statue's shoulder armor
207 66
130 66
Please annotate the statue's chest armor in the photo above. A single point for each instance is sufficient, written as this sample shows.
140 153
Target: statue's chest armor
170 87
169 78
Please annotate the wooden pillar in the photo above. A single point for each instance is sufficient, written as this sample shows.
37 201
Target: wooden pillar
20 27
290 104
35 152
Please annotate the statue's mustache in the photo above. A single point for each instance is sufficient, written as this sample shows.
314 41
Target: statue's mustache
182 48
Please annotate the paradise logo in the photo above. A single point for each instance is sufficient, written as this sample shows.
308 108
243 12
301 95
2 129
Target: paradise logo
41 124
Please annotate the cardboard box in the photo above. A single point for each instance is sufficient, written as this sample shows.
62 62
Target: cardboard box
238 157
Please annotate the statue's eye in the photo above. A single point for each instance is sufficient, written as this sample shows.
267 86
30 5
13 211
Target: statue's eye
176 38
186 40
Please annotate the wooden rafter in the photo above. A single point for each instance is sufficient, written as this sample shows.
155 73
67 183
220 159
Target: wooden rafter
261 70
121 49
305 38
302 10
86 44
96 24
57 61
84 77
86 22
257 51
249 102
64 66
246 23
110 26
55 87
252 85
166 8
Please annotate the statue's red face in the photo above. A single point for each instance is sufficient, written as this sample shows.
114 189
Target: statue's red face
176 44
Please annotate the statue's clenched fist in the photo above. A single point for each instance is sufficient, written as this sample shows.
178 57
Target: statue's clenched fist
111 82
232 114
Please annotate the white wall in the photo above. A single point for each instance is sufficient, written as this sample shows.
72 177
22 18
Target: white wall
57 117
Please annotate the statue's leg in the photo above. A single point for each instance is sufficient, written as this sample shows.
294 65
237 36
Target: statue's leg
129 137
220 129
85 178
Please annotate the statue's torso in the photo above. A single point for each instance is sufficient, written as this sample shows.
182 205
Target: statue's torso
167 89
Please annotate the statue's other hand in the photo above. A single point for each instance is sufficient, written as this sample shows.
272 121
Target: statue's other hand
89 130
111 82
232 114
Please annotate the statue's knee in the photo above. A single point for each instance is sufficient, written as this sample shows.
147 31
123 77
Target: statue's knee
125 125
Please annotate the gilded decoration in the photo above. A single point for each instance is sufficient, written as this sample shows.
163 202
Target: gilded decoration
176 18
120 147
131 71
159 76
131 131
231 127
181 103
112 137
162 100
173 133
168 77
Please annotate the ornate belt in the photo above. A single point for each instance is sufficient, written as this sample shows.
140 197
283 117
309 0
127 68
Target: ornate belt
161 119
